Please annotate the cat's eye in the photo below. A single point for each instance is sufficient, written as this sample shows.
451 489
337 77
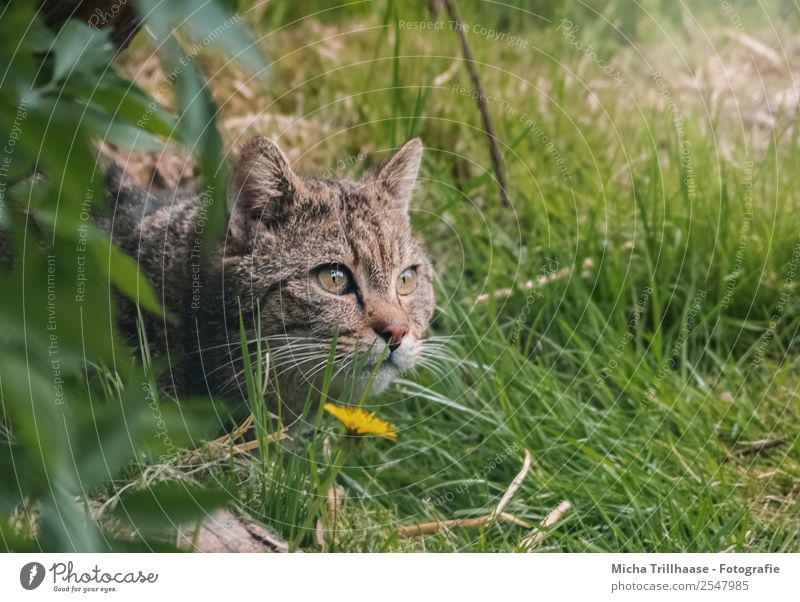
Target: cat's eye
335 279
407 281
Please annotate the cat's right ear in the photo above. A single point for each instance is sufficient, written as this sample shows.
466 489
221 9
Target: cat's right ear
398 175
264 184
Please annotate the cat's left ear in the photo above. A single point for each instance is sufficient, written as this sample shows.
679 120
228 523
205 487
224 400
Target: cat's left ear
264 184
398 175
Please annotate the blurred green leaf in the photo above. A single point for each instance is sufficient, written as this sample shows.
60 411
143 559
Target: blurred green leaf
123 272
75 425
204 24
168 505
80 49
120 133
13 472
123 101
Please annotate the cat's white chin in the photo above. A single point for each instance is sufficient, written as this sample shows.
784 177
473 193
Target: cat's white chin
383 378
405 356
398 363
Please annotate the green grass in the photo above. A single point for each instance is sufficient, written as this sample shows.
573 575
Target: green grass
630 377
630 374
629 413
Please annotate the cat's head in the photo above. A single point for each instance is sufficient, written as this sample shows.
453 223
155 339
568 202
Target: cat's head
331 257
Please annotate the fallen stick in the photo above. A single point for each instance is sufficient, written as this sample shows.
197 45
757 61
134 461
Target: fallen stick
540 532
226 442
756 447
248 445
221 442
334 496
237 432
515 484
444 77
435 526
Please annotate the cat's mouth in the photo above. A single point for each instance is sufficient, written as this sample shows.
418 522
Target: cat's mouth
401 358
384 365
374 366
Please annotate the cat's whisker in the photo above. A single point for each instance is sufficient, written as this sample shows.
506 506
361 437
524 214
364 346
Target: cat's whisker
301 350
442 350
300 344
439 354
437 351
283 338
347 361
438 369
306 373
294 353
229 384
463 362
321 366
441 364
299 365
446 337
436 345
230 363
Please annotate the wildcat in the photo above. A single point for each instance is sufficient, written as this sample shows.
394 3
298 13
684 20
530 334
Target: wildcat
308 258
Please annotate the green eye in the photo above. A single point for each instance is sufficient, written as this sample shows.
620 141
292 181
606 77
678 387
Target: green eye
407 281
334 279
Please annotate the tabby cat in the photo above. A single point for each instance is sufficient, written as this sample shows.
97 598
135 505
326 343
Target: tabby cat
309 259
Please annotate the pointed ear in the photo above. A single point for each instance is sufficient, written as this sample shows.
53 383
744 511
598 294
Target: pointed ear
264 184
398 175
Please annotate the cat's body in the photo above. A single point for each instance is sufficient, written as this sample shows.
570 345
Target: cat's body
318 258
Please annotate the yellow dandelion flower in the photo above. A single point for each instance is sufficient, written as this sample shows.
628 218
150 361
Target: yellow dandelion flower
361 422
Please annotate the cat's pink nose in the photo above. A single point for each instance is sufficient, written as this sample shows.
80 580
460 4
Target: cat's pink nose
392 333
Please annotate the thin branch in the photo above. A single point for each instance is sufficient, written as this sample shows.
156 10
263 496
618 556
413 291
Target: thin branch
539 533
435 526
515 484
483 107
445 76
756 447
250 445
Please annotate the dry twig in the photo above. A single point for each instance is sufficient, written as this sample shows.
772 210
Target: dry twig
435 526
248 445
335 495
515 484
483 107
755 448
447 75
539 533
